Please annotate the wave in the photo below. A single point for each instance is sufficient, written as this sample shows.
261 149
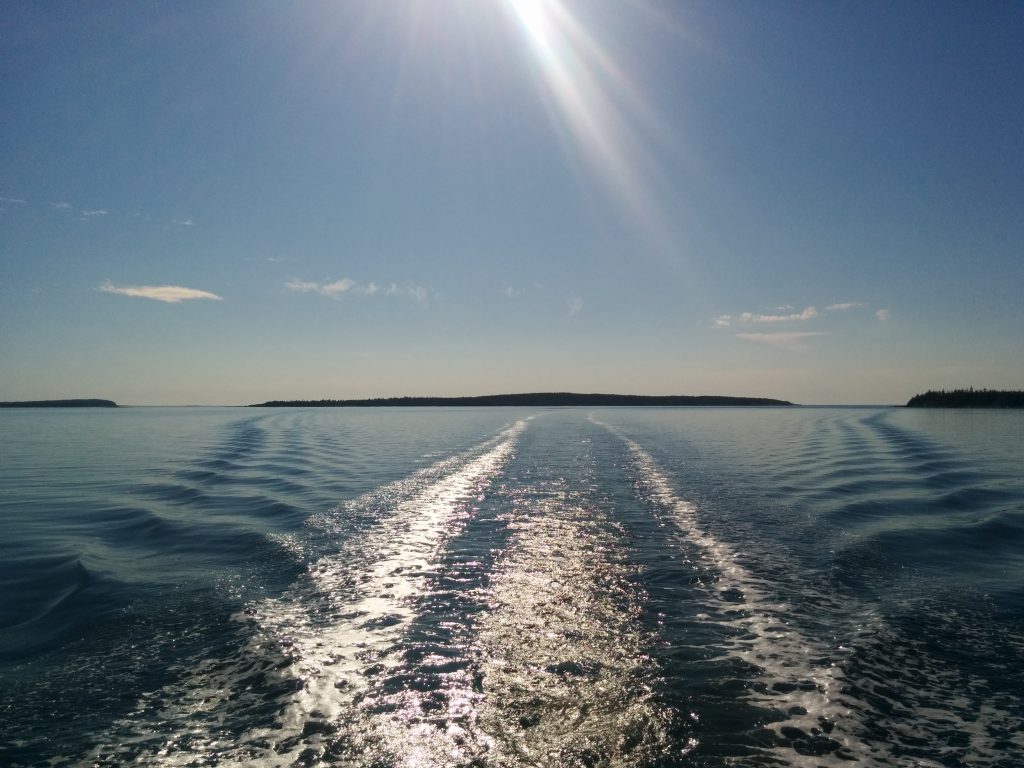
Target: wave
535 655
50 599
313 655
910 677
833 589
566 675
801 678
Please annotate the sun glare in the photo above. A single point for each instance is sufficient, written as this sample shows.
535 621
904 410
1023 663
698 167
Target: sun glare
605 111
533 14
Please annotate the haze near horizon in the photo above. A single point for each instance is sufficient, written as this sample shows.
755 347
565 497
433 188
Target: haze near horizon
235 203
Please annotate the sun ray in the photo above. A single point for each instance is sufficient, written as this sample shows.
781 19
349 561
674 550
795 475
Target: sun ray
604 110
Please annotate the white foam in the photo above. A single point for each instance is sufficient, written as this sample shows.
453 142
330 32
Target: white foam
330 628
784 657
782 654
370 616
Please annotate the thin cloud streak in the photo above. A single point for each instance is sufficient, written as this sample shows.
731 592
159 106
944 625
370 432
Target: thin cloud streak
87 214
844 306
575 306
808 314
170 294
416 292
792 340
332 289
751 318
883 314
345 285
514 292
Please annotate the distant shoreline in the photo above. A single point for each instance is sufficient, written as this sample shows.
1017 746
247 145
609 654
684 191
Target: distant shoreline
531 399
968 398
73 403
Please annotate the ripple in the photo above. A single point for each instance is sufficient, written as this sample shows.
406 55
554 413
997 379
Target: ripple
51 598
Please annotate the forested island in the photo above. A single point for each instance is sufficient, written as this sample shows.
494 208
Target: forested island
530 399
74 403
968 398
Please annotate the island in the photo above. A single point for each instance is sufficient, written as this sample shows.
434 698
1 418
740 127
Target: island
73 403
968 398
76 402
536 399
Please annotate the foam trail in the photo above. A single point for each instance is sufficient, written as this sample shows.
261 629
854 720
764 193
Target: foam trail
828 718
318 648
802 682
338 660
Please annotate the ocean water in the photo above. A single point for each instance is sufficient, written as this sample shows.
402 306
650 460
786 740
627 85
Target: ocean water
511 587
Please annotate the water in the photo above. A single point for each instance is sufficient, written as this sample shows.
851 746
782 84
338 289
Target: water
511 587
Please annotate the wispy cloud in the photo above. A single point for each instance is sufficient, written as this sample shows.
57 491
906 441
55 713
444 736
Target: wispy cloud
302 286
792 340
883 314
844 306
171 294
345 285
516 291
332 289
83 213
808 314
16 200
751 318
416 292
574 306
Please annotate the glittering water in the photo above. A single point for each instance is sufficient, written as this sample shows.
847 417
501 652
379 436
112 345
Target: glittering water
511 587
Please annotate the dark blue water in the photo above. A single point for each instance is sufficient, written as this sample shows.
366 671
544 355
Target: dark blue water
511 587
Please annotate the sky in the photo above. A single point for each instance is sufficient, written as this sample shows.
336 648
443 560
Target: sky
232 202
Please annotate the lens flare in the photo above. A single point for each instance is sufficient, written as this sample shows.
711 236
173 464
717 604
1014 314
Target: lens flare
608 118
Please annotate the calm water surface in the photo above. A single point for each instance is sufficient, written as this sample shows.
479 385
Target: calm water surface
511 587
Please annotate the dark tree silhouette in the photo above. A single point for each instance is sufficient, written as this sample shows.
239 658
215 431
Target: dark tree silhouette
75 403
968 398
531 399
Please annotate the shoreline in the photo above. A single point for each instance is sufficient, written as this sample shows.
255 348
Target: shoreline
534 399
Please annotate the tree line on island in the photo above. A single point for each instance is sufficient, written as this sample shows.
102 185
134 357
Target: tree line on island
955 398
968 398
530 399
79 402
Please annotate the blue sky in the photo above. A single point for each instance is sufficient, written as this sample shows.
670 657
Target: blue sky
227 203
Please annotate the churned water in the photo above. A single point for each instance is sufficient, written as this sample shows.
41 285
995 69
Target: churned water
511 587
